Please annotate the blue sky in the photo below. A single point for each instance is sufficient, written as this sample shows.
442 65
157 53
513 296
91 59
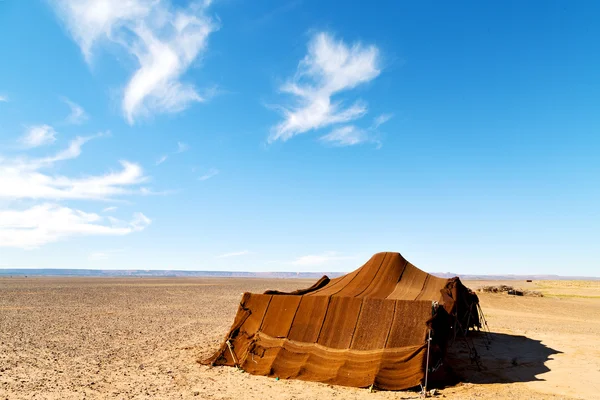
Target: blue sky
300 135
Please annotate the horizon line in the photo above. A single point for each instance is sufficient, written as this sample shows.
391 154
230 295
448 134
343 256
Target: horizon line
468 276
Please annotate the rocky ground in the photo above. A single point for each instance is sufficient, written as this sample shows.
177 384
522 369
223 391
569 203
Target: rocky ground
137 338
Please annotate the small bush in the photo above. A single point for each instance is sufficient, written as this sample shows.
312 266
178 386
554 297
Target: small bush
510 290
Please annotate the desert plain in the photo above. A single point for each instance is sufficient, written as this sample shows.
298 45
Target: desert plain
139 338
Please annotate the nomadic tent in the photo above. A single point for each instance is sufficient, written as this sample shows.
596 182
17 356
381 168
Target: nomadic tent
383 325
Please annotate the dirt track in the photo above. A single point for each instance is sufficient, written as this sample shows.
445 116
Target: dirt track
70 338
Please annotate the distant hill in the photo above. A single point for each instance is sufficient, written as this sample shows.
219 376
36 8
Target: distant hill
467 277
243 274
161 273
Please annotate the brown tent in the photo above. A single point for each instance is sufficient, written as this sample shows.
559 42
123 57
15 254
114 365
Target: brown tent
369 327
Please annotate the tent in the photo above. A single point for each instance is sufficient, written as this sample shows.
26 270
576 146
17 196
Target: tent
385 325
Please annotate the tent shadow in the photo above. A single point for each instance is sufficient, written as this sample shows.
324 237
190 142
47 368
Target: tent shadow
506 359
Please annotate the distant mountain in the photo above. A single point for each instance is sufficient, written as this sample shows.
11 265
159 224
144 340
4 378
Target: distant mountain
161 273
243 274
467 277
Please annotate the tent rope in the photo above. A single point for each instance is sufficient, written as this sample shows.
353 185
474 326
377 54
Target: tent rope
486 328
473 355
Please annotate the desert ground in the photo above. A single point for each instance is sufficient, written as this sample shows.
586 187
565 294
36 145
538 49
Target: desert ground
137 338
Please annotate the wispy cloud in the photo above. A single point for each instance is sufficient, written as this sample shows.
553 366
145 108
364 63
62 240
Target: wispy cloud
211 173
234 254
46 223
181 148
163 38
78 115
42 218
381 119
38 135
320 259
348 135
329 68
109 209
3 98
162 159
27 178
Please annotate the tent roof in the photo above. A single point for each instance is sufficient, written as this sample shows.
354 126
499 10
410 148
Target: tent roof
386 275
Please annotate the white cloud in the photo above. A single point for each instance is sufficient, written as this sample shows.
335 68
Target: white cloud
77 115
3 98
182 147
381 119
234 254
161 160
330 67
38 135
73 151
47 223
163 39
211 173
321 259
24 178
109 209
348 135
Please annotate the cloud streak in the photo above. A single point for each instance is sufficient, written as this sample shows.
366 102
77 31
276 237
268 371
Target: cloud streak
46 223
346 136
25 178
351 135
38 135
32 195
329 68
210 174
234 254
161 160
78 115
381 119
162 38
181 148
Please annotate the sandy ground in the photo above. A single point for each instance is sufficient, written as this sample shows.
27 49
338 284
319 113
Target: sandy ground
74 338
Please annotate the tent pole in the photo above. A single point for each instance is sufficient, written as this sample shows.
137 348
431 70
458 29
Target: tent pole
427 362
235 363
466 330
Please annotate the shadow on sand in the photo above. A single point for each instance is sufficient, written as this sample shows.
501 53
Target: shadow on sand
505 359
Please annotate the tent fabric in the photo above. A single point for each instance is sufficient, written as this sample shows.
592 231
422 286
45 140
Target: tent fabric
369 327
